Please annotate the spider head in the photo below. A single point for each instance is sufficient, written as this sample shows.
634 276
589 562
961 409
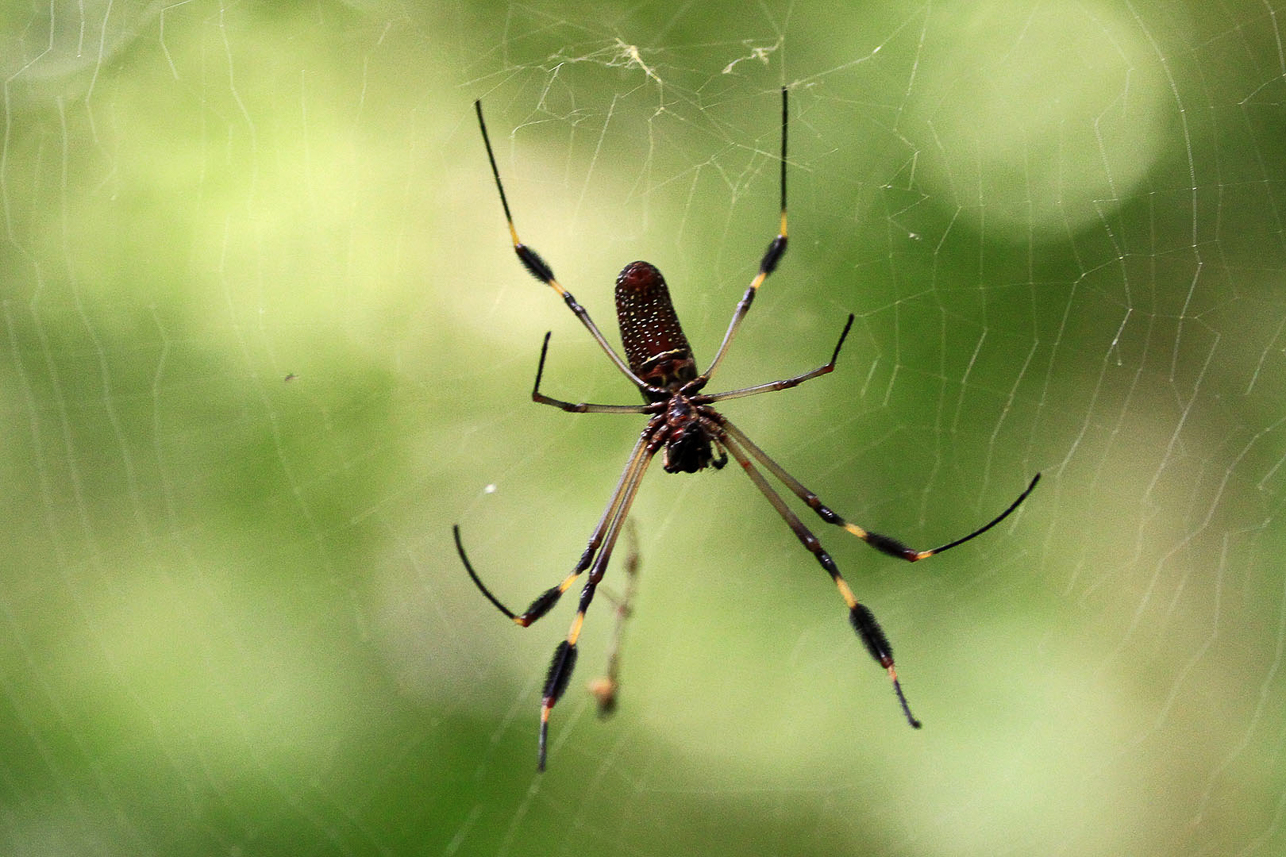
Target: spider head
688 451
688 443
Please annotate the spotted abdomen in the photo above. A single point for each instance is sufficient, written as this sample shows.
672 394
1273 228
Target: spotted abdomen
655 346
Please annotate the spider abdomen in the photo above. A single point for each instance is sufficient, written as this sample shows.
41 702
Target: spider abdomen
655 346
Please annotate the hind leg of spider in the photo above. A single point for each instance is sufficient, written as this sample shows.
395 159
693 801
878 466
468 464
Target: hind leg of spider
882 543
539 268
768 264
863 621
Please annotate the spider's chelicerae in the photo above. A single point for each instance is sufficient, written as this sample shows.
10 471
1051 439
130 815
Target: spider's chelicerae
690 434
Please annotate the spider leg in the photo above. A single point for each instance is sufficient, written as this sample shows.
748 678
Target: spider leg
863 621
606 687
547 599
882 543
776 249
786 383
540 269
564 660
581 407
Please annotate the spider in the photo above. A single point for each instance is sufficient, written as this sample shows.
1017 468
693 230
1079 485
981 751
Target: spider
691 435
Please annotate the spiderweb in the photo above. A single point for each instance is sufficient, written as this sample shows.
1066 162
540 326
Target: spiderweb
264 342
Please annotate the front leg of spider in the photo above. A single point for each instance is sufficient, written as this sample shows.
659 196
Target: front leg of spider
872 636
598 553
606 688
564 660
560 674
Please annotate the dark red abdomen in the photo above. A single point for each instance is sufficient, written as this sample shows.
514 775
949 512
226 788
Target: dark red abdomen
655 346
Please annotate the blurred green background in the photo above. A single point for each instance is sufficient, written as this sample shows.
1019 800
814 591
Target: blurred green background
264 341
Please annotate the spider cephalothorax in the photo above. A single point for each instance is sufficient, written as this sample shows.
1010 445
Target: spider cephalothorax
691 432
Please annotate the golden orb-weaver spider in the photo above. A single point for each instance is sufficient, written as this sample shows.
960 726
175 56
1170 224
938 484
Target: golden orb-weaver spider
690 435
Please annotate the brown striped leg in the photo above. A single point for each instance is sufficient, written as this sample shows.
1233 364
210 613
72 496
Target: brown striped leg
787 383
776 249
564 660
882 543
540 269
863 621
547 599
607 686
